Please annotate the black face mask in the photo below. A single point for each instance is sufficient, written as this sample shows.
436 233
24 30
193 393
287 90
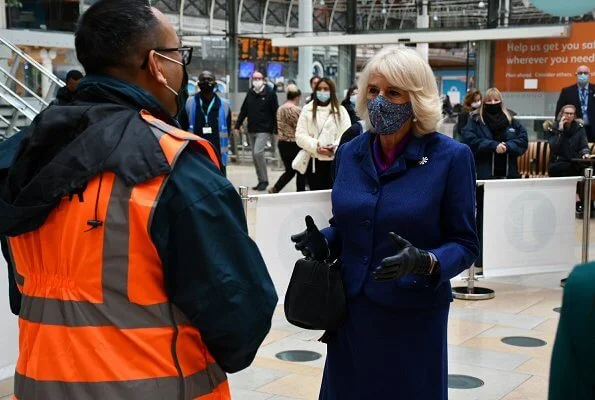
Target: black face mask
182 95
207 87
493 109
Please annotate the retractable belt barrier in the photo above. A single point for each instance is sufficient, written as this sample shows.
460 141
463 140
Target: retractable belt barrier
529 227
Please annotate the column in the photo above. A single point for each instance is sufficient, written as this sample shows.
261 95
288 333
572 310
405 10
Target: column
232 52
305 53
3 14
483 65
423 22
345 69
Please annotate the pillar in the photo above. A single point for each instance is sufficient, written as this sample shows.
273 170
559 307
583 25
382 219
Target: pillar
305 53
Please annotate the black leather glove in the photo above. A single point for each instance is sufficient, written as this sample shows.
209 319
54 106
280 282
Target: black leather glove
408 260
311 242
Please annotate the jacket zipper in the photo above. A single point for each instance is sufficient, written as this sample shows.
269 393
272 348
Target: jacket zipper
174 353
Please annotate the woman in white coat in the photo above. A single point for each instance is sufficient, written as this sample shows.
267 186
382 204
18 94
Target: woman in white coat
319 130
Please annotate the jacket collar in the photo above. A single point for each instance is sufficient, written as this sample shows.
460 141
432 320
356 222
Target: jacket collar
414 152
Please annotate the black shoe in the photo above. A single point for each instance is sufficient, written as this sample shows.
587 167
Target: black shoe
261 187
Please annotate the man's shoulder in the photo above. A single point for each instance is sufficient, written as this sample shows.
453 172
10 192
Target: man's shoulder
568 89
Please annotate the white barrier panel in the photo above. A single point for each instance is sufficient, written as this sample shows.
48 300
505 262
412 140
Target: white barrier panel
277 218
529 226
9 339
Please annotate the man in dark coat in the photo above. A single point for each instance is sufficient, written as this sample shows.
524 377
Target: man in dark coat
581 96
260 107
65 94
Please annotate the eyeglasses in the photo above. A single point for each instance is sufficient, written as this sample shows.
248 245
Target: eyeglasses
185 53
582 73
568 113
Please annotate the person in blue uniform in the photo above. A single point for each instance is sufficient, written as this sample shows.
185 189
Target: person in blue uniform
209 116
403 225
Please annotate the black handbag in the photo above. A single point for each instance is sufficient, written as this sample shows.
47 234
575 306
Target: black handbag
315 297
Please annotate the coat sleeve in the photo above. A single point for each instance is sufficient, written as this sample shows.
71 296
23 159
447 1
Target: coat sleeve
344 124
14 296
554 137
460 246
583 144
302 134
518 145
243 113
473 139
213 270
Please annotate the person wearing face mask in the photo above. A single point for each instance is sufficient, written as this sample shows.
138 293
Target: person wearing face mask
568 141
319 130
403 225
496 140
209 116
119 227
582 97
349 103
260 107
471 102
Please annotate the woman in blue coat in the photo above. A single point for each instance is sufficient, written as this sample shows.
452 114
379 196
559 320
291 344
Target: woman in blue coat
403 225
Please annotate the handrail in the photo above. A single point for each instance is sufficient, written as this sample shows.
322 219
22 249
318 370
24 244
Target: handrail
32 61
31 92
20 101
7 122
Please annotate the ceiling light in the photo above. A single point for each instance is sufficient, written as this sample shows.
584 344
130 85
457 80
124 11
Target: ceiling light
383 10
481 4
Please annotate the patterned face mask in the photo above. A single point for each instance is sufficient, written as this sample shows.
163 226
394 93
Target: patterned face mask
386 117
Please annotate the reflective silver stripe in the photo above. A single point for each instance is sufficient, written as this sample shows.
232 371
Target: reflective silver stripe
116 309
124 315
198 384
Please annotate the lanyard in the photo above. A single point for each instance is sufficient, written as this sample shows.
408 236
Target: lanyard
208 109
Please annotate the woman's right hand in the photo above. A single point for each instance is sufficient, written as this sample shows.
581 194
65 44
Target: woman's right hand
311 242
325 151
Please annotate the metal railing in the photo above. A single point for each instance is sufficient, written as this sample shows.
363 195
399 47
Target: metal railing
10 85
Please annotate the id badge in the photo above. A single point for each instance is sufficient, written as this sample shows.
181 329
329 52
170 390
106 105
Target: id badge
207 130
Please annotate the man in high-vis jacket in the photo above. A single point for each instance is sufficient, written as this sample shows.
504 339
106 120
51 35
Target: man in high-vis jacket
130 249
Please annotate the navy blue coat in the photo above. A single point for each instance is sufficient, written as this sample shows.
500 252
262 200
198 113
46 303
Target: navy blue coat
427 196
480 139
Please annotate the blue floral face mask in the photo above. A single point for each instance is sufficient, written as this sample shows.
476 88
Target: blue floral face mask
387 117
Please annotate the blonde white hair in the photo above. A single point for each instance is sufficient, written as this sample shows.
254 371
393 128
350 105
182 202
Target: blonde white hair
406 70
494 94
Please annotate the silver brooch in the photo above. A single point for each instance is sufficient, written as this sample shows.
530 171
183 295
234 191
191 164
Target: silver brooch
423 161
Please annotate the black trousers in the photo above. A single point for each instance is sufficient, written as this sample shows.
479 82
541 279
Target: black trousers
320 179
288 151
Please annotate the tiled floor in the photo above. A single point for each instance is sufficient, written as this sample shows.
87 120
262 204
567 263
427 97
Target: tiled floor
523 306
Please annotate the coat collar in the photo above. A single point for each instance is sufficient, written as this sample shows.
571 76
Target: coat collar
414 153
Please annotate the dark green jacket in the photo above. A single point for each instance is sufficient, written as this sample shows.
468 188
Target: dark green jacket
572 375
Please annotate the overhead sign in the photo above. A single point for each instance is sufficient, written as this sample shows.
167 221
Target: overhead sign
256 49
544 65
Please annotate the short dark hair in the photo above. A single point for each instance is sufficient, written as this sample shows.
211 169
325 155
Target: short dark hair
74 74
115 34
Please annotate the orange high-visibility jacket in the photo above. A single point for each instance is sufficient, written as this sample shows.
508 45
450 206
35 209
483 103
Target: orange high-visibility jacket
95 320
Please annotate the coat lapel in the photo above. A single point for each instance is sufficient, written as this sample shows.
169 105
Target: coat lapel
364 156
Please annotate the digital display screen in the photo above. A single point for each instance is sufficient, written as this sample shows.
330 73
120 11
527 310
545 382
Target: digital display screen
246 69
274 70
